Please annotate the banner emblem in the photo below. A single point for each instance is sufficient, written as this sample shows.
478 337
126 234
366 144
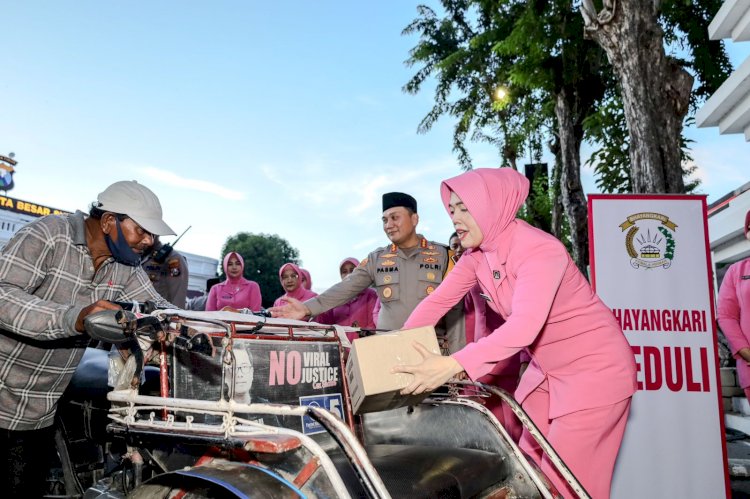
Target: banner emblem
649 241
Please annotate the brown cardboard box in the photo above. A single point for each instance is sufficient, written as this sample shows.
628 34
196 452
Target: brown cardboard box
372 386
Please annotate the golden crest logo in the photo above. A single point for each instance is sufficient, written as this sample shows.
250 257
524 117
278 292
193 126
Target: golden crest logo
649 240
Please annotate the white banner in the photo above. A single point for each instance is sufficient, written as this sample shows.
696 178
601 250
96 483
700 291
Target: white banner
650 264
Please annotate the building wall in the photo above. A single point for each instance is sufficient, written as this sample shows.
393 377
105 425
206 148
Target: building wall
725 230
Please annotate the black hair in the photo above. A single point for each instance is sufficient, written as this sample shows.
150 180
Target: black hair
98 213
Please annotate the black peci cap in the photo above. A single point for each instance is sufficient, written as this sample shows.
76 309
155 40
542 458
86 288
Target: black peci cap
393 199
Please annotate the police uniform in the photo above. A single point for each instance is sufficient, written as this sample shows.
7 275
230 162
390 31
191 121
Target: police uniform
170 278
402 279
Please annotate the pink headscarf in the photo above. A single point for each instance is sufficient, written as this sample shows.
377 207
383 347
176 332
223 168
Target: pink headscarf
493 196
227 257
306 279
301 293
351 260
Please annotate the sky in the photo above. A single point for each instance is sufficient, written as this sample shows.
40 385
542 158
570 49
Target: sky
282 117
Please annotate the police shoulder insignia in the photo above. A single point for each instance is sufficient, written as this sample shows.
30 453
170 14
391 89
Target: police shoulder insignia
174 267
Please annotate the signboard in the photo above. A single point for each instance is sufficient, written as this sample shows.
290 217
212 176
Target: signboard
650 263
268 371
6 172
27 208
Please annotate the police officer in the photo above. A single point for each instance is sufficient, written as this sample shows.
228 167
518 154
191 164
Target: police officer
168 271
404 273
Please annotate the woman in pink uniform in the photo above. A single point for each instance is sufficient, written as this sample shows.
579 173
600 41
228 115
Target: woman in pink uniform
358 312
290 276
578 386
734 313
306 278
235 292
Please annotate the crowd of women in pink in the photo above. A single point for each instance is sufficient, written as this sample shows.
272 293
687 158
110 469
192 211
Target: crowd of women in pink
235 292
578 386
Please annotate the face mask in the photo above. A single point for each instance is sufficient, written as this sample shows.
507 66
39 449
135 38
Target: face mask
121 251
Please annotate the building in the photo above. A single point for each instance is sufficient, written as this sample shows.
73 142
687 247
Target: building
729 107
15 213
726 217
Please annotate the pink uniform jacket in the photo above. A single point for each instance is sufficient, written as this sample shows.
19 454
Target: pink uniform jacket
358 312
236 293
528 278
734 314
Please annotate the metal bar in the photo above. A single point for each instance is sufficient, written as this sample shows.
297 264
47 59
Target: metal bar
163 374
529 425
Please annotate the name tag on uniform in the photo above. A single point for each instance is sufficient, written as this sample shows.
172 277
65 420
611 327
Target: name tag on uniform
485 297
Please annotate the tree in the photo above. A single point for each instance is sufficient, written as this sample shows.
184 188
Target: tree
458 50
264 254
656 88
553 77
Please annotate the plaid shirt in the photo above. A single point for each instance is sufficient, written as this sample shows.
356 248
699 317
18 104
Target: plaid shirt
46 278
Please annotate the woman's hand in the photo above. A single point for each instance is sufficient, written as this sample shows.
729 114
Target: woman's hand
431 373
294 309
745 354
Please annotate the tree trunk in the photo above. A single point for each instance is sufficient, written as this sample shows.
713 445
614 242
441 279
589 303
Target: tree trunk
573 199
556 226
655 89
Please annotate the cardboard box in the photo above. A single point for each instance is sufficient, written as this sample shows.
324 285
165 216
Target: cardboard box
372 386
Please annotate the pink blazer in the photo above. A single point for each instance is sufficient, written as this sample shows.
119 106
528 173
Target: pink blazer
548 306
359 311
734 314
243 294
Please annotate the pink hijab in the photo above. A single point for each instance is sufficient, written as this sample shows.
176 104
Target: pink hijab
234 280
306 279
351 260
493 196
301 293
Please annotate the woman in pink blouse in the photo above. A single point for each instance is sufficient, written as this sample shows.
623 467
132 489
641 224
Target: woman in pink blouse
578 386
290 276
734 313
358 312
236 291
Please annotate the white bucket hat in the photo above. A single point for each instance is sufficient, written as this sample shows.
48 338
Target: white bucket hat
130 198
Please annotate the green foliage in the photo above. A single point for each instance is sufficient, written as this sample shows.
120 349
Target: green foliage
537 211
611 161
264 255
685 24
458 50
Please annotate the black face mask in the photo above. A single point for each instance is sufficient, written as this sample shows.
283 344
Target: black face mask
121 251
